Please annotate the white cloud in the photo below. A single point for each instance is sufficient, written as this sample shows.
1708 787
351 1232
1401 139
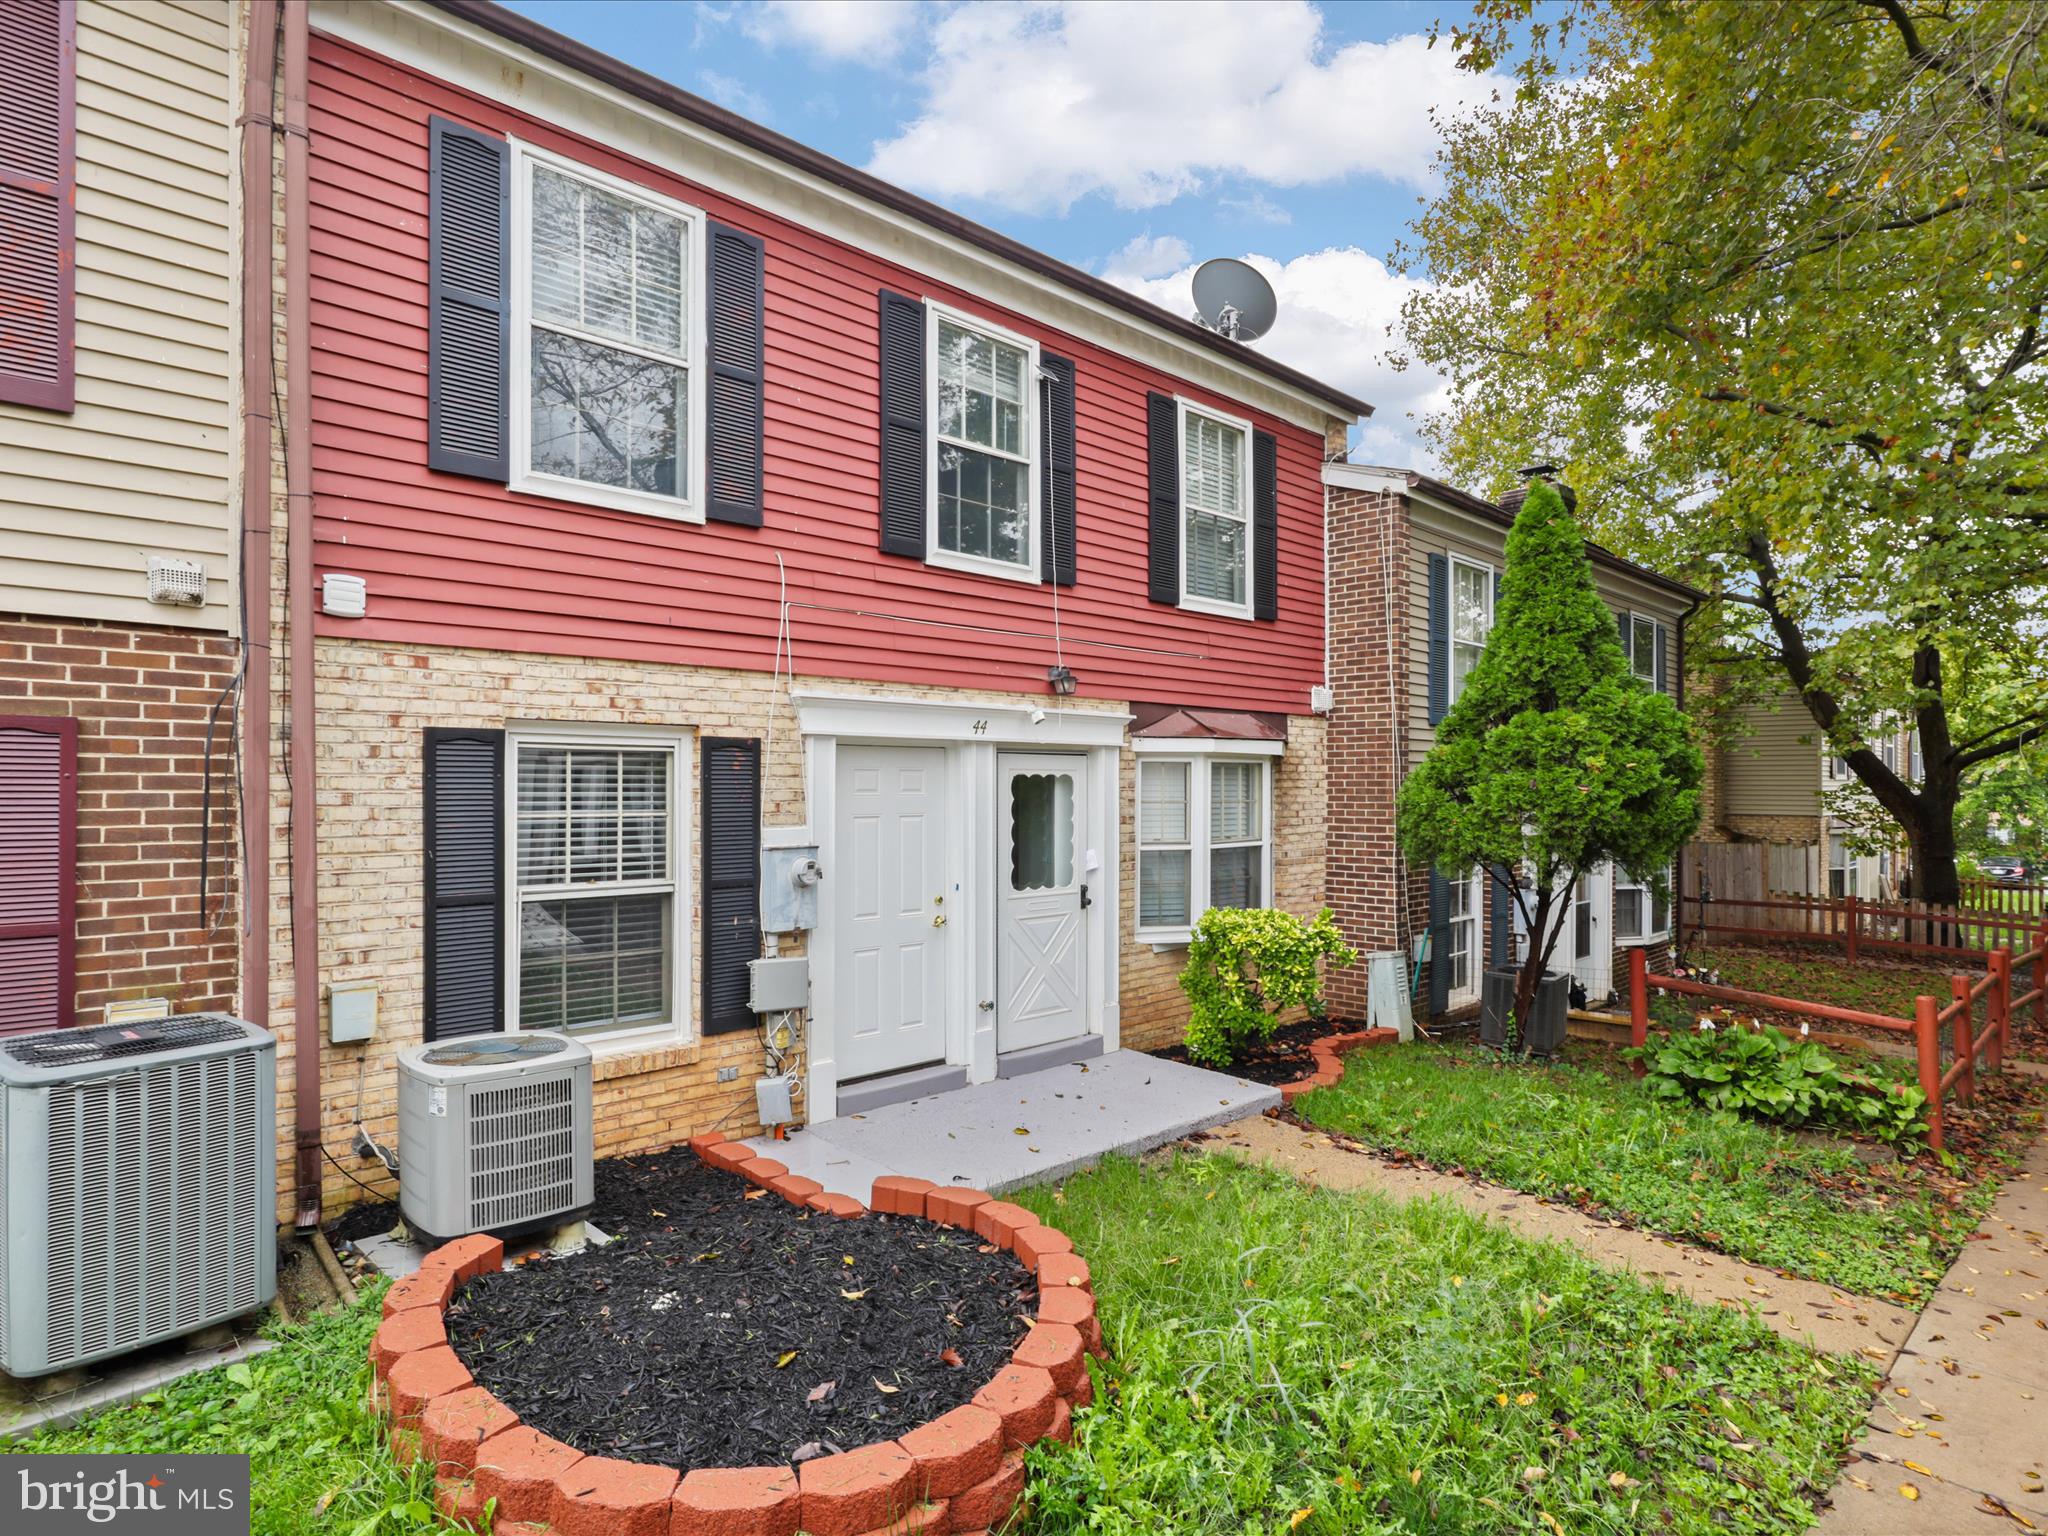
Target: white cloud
1145 256
1340 312
734 94
860 31
1034 104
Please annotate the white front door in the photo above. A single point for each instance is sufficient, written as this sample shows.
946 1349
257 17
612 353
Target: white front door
1461 942
1043 901
891 932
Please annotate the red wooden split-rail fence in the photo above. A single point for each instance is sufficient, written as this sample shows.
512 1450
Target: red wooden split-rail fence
1855 925
1926 1029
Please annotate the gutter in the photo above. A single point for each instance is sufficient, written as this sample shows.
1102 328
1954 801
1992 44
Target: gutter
258 86
298 470
549 44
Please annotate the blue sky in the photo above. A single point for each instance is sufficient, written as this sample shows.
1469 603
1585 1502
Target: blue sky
1130 139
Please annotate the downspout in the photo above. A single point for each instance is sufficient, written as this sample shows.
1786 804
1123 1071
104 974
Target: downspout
259 86
1678 896
298 469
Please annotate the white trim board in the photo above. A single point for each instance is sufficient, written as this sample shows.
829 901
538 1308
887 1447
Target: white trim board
477 61
868 716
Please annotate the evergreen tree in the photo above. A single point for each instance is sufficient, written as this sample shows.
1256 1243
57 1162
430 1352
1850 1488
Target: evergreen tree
1555 758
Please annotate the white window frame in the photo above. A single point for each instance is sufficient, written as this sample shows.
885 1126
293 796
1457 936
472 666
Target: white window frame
1851 868
1453 684
1198 758
1653 932
675 1029
1655 624
688 508
1028 569
1183 409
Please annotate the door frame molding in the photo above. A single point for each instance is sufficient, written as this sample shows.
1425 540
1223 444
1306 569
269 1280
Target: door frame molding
971 732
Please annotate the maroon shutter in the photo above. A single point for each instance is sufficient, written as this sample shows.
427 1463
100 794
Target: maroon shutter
38 886
38 52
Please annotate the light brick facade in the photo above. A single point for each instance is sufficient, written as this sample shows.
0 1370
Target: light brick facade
142 697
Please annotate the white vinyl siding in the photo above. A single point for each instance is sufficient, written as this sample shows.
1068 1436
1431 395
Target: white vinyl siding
1215 503
1204 839
983 446
605 399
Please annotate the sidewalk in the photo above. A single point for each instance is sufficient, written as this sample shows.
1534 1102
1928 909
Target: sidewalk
1962 1421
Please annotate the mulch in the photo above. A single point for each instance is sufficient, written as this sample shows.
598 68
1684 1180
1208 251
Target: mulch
1285 1058
371 1218
728 1328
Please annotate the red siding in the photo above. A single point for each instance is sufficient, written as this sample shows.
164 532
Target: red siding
460 562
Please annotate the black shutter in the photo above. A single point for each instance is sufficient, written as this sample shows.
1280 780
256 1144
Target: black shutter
469 300
1439 701
1265 526
1503 948
904 508
732 434
1439 942
465 882
1663 646
732 878
1162 435
1056 499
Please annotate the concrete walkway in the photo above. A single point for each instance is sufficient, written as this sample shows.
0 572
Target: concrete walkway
1799 1309
1021 1130
1963 1417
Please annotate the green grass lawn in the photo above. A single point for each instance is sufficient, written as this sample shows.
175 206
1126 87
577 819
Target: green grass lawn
1825 977
1581 1130
317 1458
1286 1358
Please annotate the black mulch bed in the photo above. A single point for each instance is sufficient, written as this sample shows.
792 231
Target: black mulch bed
372 1218
1283 1059
734 1332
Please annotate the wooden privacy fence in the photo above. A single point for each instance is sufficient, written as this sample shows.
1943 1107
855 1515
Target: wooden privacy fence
1925 1028
1855 925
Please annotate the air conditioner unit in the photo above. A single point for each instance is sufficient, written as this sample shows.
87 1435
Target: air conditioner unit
139 1200
494 1134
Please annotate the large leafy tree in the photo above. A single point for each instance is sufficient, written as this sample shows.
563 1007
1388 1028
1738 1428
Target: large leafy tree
1768 278
1556 758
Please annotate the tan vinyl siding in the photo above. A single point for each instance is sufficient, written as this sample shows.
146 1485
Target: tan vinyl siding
1774 768
1444 530
146 463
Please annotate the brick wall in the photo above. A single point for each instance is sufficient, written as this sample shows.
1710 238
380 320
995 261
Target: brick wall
141 696
1377 901
1155 1010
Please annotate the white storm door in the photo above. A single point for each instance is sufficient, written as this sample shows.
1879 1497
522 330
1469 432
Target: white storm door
1042 902
1591 947
892 939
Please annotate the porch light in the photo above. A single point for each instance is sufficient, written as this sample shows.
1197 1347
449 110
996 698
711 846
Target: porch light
1062 680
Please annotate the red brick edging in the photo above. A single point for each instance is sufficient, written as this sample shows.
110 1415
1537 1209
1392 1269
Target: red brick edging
956 1476
1329 1067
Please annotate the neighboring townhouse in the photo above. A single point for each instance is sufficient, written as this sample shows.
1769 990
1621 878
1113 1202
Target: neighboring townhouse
1415 568
1772 781
120 496
679 504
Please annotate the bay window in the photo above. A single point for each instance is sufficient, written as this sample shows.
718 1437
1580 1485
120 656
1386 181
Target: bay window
606 403
984 447
1204 839
1215 501
597 896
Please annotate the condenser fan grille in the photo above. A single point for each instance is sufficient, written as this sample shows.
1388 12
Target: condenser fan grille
522 1161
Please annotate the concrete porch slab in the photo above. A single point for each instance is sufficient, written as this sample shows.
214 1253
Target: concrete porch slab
1021 1130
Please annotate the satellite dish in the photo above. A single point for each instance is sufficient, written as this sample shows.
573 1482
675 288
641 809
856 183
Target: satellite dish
1233 300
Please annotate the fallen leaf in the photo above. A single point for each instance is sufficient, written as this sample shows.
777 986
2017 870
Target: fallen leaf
1524 1399
1619 1480
754 1194
1908 1491
1914 1466
821 1391
1533 1474
1501 1398
1299 1516
848 1261
884 1387
854 1295
1022 1130
1551 1520
785 1359
1414 1476
951 1356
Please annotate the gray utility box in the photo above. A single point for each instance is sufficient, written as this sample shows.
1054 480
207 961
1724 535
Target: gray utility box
140 1195
1542 1035
494 1134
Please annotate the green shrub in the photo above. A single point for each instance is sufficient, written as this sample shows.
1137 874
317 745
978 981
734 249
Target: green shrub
1738 1069
1246 967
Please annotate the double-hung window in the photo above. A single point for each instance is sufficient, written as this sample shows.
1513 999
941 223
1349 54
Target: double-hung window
595 909
1843 868
1471 619
1204 839
1641 911
984 447
1642 647
1215 509
607 402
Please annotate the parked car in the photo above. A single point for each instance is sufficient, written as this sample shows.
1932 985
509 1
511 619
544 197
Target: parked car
2006 869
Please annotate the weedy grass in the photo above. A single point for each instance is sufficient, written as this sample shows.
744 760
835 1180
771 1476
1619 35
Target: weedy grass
1287 1359
1603 1140
318 1459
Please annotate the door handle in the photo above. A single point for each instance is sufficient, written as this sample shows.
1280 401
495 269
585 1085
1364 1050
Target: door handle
1085 902
939 920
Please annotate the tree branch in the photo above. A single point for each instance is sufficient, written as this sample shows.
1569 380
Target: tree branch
1942 64
1868 441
